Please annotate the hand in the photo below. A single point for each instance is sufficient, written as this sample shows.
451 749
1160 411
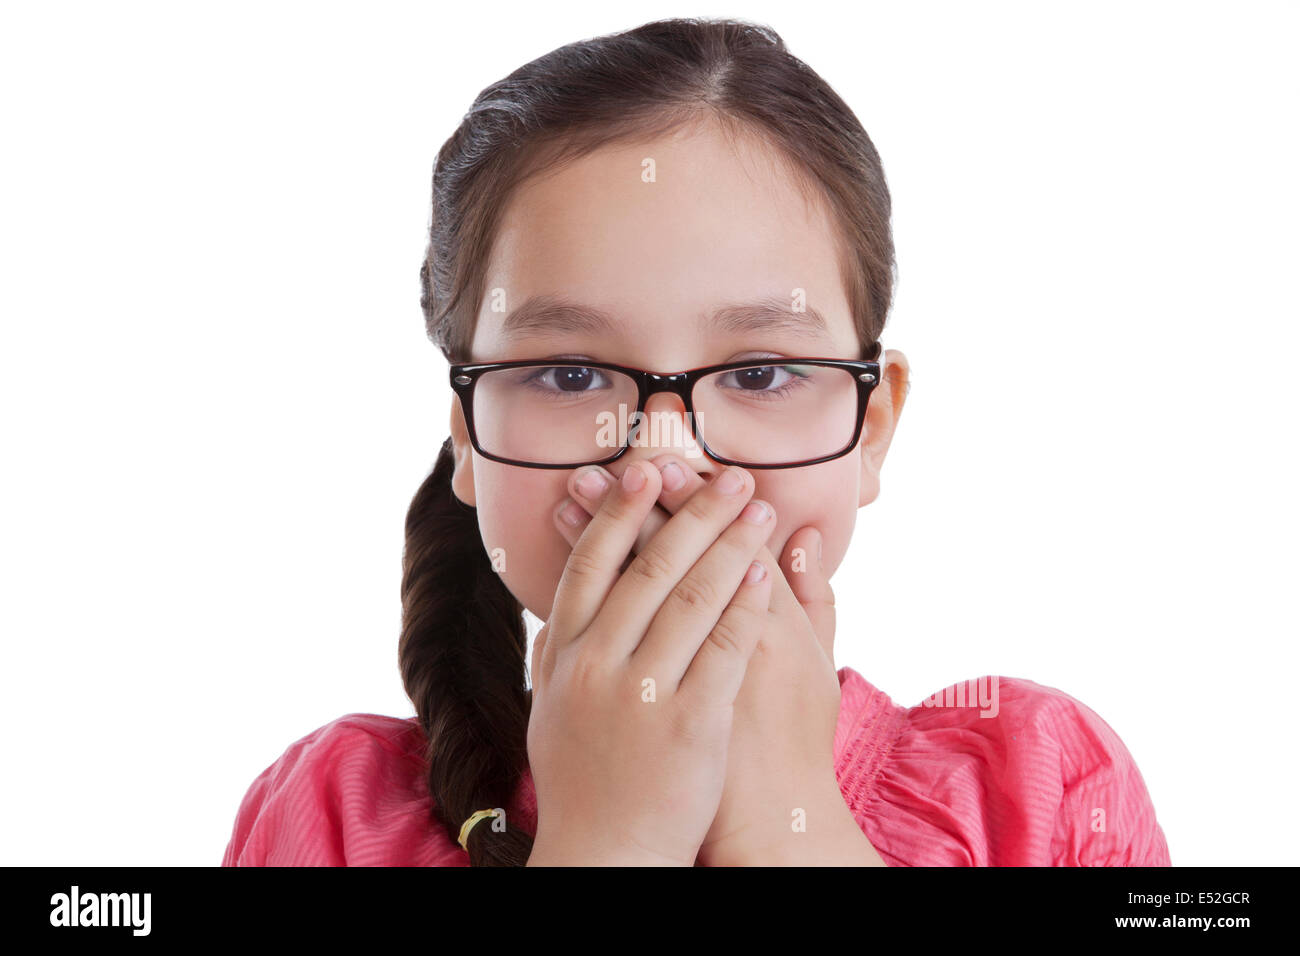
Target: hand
623 775
781 755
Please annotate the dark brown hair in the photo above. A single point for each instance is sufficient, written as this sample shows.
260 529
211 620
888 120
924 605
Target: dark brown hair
463 645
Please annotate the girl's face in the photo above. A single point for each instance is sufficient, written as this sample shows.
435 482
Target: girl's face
718 225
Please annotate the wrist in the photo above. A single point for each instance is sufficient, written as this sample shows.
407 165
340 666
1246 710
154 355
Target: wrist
823 833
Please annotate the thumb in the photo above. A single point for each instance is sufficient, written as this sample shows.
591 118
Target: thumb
802 565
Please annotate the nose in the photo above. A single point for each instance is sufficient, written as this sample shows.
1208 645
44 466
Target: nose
664 427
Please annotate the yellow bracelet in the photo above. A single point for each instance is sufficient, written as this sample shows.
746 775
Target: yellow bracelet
468 825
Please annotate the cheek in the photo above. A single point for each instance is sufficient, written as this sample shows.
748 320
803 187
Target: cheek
823 496
514 517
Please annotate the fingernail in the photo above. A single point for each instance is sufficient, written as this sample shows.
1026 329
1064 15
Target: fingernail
756 572
572 514
633 478
756 512
672 475
592 484
730 482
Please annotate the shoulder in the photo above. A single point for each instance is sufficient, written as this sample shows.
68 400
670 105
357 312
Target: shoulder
351 792
1032 721
1105 816
1050 782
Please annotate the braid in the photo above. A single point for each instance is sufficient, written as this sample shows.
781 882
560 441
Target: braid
462 656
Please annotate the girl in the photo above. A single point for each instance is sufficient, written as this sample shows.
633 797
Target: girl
685 195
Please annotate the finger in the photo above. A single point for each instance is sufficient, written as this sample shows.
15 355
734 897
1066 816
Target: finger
680 480
692 609
717 671
802 567
593 566
572 514
800 584
672 499
571 519
815 596
685 481
673 496
659 570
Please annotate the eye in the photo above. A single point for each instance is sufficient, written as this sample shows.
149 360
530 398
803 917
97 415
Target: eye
573 379
774 380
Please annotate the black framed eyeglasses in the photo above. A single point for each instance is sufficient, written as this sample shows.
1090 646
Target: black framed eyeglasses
765 413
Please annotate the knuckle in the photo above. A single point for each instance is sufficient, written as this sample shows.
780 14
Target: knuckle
695 593
619 505
726 635
701 507
651 564
583 563
738 545
588 669
690 722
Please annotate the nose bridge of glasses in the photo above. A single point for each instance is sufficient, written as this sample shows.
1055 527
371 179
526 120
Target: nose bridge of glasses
661 385
665 423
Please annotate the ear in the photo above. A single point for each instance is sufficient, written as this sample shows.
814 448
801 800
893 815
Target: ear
462 480
883 411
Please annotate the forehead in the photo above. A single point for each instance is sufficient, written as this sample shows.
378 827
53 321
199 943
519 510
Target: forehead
659 237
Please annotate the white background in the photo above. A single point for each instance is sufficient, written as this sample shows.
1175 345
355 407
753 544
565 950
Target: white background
218 399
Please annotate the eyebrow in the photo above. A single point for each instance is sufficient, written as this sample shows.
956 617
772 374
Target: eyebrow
556 315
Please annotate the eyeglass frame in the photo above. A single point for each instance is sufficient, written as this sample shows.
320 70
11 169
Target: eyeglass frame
866 375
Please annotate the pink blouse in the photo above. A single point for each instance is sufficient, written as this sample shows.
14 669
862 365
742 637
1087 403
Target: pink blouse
994 772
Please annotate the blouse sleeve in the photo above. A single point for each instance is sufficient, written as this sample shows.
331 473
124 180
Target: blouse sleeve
1106 817
350 793
283 819
1032 777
